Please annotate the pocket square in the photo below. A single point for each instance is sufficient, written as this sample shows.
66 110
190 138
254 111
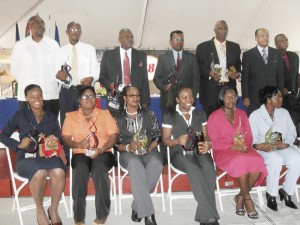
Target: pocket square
140 64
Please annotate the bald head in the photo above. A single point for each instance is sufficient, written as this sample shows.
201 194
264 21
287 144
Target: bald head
221 30
126 38
281 42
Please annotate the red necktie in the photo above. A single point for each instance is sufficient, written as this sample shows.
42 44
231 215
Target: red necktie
126 70
178 62
286 60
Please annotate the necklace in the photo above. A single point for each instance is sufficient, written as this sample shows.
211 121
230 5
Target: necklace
131 114
89 116
184 113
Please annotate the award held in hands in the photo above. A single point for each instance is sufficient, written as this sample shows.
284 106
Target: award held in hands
113 96
93 139
68 82
141 138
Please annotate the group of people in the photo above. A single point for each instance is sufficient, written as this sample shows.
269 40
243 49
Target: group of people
62 81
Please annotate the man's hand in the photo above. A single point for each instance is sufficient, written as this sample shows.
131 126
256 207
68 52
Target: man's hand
87 81
167 87
61 75
214 75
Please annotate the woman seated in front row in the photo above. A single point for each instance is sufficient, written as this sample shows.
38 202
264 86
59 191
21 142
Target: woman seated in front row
34 123
182 118
266 120
91 133
230 132
139 134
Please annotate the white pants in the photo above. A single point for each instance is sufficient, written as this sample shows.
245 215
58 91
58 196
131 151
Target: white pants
274 161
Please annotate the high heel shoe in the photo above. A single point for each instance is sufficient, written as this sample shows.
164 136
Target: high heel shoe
287 199
253 214
271 202
58 223
239 207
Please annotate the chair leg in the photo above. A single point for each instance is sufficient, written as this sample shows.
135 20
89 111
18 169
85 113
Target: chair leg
162 193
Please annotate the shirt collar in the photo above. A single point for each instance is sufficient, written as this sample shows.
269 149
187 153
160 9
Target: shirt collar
122 51
180 113
261 48
218 43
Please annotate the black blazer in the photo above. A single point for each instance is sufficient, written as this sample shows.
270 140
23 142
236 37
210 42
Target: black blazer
256 74
291 76
188 74
111 69
209 88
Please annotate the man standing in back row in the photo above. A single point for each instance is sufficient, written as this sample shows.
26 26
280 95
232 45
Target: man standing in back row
262 66
125 65
33 62
224 53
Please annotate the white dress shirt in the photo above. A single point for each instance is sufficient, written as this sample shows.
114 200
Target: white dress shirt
88 65
34 63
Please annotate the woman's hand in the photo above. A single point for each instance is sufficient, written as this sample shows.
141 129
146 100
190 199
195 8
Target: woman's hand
264 147
280 146
204 147
239 148
24 143
50 140
98 151
85 143
181 140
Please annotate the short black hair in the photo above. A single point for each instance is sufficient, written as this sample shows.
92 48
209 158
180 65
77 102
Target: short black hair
30 87
267 92
173 94
223 92
175 32
83 88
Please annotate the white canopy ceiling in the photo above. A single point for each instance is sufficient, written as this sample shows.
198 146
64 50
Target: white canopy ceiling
152 20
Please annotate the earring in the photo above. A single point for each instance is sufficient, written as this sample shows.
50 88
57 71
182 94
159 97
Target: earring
140 106
28 106
125 106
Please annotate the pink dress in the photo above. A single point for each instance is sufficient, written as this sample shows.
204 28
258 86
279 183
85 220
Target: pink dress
222 132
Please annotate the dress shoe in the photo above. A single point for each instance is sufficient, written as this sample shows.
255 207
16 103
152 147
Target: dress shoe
287 199
213 223
134 217
150 220
271 202
58 223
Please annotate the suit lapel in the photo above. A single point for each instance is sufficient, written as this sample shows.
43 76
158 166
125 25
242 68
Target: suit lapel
258 55
117 63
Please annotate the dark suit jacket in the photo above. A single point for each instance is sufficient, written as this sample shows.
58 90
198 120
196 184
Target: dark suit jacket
188 74
209 89
291 76
256 74
111 68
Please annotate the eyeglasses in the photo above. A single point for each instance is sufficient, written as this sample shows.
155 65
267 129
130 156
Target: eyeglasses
178 39
74 30
277 97
132 95
88 97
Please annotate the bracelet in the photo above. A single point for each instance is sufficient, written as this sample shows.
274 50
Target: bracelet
127 148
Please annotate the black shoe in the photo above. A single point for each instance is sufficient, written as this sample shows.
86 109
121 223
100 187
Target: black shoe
287 198
134 217
213 223
272 204
150 220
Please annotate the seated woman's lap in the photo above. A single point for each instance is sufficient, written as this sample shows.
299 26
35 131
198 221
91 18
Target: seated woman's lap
29 166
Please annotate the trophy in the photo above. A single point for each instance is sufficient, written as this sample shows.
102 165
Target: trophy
92 137
113 96
142 140
191 141
271 137
34 142
68 82
49 150
173 77
239 137
216 67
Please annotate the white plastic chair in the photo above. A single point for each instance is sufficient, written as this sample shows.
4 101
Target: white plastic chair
113 193
24 181
120 186
171 180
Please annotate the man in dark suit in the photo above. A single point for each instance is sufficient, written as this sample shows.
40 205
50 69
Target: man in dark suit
290 64
262 65
291 71
113 68
177 63
224 53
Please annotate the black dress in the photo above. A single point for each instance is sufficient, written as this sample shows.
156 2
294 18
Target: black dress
23 121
